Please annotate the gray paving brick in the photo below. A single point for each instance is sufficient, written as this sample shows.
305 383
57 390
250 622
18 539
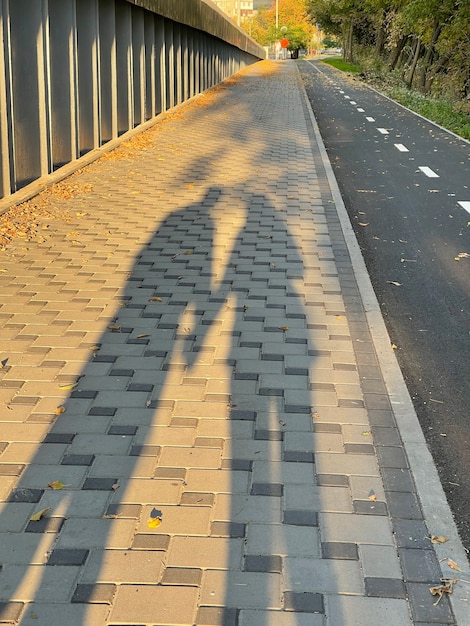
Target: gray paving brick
380 562
94 593
424 607
385 587
351 610
420 565
68 556
411 534
303 602
339 550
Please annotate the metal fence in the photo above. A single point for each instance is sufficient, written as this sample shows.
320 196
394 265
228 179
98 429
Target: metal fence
76 74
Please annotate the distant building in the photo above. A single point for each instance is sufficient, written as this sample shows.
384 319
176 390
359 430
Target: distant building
236 9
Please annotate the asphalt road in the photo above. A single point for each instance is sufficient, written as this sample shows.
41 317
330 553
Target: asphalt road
406 185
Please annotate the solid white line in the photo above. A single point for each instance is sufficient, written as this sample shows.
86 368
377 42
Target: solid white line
428 171
465 205
401 147
370 119
384 131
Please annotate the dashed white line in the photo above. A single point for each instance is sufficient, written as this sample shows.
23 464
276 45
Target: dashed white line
465 205
370 119
384 131
360 110
401 148
428 171
348 97
352 102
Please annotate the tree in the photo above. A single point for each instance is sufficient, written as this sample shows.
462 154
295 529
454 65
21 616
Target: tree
293 19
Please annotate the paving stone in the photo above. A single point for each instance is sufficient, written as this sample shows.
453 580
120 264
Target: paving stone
385 587
261 563
420 565
252 590
158 604
411 534
123 566
404 505
10 611
217 616
397 479
26 495
368 507
364 610
380 562
339 550
250 617
282 539
303 602
94 593
423 605
182 576
68 556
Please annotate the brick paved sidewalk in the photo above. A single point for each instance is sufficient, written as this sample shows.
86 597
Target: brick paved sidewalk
228 448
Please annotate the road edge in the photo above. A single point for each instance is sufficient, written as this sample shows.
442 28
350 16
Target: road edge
436 510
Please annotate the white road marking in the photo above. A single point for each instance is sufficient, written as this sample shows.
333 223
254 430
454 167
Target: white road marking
370 119
352 102
429 172
401 147
384 131
347 97
465 205
361 110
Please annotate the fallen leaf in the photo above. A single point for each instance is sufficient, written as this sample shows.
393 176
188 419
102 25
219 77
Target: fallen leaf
440 590
438 539
155 518
372 496
56 485
394 346
188 252
40 514
69 386
366 433
115 487
4 362
462 255
363 224
394 282
155 300
453 565
143 335
114 327
283 327
59 410
316 416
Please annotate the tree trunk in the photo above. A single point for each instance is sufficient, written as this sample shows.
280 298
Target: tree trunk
349 41
423 82
396 52
411 72
380 42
